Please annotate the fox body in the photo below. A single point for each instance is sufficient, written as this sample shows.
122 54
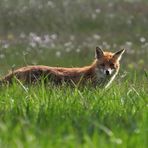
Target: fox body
101 72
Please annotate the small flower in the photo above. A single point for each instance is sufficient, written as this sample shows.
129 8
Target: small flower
22 35
47 39
68 49
106 45
72 37
32 44
50 4
37 39
58 53
129 21
142 39
52 45
98 10
40 6
53 36
78 50
94 16
96 37
129 43
114 45
67 44
2 56
10 36
111 15
6 45
110 4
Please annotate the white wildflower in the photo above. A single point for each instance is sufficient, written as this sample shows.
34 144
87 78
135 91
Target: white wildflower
40 6
72 37
78 50
6 45
129 21
22 35
37 39
54 36
94 16
96 37
2 56
129 43
47 39
67 44
110 4
98 10
142 39
32 44
52 45
68 49
58 53
50 4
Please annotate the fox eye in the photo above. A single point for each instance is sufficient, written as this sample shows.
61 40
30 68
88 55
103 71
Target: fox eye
103 65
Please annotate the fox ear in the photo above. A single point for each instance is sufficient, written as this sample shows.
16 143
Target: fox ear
99 53
118 54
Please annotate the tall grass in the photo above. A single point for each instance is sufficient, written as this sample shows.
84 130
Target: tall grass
43 116
65 33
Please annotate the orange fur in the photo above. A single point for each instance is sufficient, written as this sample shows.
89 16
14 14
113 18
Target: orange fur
58 75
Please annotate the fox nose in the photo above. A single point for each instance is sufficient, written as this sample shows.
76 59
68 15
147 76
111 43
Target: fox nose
107 72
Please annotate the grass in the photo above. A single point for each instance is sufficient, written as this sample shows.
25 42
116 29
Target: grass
41 116
65 33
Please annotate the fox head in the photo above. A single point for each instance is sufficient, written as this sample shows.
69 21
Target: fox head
107 63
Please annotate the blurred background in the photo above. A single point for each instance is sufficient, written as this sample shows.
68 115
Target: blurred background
66 32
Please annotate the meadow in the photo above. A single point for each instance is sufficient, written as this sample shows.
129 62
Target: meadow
65 33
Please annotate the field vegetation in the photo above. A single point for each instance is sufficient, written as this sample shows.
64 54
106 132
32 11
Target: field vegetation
65 33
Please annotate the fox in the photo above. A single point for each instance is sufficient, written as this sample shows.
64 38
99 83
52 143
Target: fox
101 72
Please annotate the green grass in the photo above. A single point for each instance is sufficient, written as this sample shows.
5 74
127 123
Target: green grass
41 116
49 116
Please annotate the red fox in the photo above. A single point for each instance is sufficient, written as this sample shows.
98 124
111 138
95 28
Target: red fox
100 73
